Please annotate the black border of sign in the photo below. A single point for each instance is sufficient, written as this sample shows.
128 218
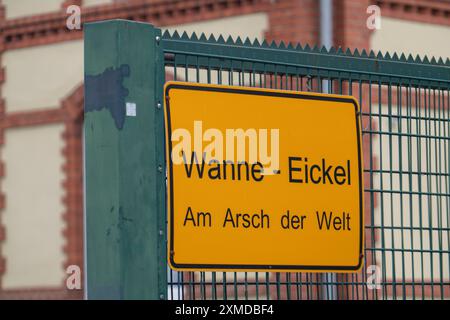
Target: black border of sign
252 91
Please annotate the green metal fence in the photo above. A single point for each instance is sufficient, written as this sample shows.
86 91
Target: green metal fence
406 132
405 104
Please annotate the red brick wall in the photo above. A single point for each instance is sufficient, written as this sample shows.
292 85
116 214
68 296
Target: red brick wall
350 24
67 3
51 27
71 114
427 11
294 21
72 108
290 20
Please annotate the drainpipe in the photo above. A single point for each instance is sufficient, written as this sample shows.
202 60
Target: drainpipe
326 29
326 39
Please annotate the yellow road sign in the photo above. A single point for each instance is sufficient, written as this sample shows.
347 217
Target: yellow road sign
263 179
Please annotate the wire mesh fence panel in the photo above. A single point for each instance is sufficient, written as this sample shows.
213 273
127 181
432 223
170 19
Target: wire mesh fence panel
406 130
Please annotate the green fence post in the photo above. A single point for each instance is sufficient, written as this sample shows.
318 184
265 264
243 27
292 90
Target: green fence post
124 161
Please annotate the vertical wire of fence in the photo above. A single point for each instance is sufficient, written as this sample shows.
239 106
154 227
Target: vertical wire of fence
405 106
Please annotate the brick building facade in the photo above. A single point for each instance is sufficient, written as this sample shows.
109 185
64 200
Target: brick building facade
40 56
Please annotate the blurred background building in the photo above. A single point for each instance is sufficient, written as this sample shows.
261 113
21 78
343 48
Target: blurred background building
41 101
